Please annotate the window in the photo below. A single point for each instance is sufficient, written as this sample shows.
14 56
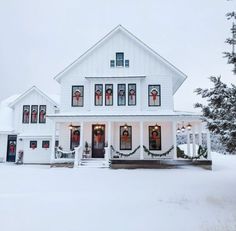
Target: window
120 59
45 144
126 63
109 94
98 94
154 138
112 63
121 94
125 137
75 137
42 114
34 114
154 95
33 144
132 94
77 96
26 114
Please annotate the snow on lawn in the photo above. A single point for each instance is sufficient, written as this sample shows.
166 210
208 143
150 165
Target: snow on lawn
36 198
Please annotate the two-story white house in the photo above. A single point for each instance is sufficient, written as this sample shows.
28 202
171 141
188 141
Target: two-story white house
116 103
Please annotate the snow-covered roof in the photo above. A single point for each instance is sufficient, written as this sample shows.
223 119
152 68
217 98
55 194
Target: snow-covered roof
6 114
54 100
180 76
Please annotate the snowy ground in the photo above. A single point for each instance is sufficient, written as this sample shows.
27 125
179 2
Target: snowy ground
36 198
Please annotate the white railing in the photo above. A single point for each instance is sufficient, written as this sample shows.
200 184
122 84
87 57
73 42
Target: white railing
107 156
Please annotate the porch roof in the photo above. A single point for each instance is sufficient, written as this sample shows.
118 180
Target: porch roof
130 116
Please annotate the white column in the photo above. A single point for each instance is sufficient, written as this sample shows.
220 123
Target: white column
81 134
141 140
194 141
109 134
188 143
200 134
174 139
52 158
208 146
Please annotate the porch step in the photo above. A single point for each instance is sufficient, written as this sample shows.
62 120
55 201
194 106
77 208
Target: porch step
93 163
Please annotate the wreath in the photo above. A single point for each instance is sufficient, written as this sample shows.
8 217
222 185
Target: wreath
132 93
98 94
125 135
77 94
98 131
121 92
108 93
76 135
155 134
154 94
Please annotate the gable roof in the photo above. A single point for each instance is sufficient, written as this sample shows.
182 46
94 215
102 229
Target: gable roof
181 76
32 89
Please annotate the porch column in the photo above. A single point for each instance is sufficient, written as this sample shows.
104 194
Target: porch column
194 141
141 140
174 139
200 134
81 134
52 158
109 134
188 142
208 146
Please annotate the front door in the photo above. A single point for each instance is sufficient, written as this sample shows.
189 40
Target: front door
11 148
98 141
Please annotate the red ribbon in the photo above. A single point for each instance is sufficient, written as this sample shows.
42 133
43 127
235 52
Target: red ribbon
77 95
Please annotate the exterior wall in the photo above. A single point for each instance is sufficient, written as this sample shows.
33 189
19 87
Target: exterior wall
97 64
33 98
38 155
3 147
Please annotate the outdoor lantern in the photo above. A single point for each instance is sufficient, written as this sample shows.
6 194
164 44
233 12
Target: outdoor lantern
125 126
189 126
182 128
70 126
156 127
178 130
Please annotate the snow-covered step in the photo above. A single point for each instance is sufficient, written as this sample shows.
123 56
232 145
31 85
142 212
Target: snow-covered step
93 162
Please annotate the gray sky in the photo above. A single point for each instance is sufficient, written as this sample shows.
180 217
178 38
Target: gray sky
39 38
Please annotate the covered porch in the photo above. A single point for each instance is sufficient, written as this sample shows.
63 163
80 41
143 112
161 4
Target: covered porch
128 140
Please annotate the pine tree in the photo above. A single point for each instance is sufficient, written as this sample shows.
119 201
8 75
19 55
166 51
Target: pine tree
220 111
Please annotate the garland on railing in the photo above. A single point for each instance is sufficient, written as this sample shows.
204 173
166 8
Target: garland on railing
202 152
125 154
155 154
60 153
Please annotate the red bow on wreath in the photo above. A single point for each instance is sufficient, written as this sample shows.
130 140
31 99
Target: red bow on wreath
132 93
77 94
108 93
34 114
98 94
12 148
42 114
154 94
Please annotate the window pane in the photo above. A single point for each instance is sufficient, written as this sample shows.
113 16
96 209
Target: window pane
26 114
120 59
33 144
154 96
112 63
154 138
45 144
34 114
77 96
125 138
109 94
132 94
42 114
75 137
126 63
121 94
98 94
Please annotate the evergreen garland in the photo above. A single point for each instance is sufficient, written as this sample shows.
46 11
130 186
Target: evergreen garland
202 152
125 154
155 154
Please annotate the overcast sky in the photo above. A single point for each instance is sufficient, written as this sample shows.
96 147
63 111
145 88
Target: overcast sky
40 38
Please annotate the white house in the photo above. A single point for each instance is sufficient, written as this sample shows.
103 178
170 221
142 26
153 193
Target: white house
116 104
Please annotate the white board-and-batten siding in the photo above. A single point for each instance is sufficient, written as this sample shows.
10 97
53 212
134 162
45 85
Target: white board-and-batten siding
97 64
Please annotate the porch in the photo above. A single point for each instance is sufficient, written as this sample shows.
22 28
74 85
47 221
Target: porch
103 138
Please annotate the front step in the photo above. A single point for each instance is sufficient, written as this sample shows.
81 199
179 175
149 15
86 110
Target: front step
93 163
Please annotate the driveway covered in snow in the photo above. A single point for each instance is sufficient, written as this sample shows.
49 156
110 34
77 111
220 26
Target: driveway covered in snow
36 198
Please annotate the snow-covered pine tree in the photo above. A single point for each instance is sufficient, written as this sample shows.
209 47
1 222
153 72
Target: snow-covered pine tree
220 112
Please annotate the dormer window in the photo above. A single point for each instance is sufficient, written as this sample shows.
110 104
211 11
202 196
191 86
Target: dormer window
126 63
119 59
112 63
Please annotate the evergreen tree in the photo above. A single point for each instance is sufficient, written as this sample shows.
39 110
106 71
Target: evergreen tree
220 111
